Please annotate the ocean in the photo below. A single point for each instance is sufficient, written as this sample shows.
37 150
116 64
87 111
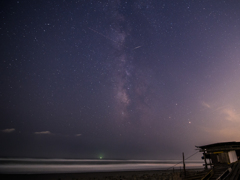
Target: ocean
43 166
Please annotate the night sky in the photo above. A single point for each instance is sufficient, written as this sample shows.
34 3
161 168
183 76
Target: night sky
139 79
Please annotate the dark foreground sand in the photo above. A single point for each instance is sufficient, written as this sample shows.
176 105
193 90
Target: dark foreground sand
128 175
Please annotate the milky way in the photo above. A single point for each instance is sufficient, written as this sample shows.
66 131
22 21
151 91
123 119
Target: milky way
142 79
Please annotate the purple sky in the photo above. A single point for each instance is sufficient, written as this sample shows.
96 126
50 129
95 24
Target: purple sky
142 79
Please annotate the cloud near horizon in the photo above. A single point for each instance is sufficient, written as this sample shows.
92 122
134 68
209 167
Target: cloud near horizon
8 130
43 132
78 135
231 114
205 104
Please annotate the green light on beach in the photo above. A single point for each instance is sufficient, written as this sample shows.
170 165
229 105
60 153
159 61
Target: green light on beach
100 157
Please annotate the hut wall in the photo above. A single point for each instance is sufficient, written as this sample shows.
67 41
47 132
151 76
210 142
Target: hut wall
232 156
223 157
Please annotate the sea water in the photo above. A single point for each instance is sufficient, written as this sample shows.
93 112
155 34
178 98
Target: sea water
41 166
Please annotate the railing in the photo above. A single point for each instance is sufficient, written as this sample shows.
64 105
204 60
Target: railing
208 175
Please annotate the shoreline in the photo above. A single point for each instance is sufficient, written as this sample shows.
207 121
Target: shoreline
116 175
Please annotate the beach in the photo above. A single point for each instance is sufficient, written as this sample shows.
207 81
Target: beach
120 175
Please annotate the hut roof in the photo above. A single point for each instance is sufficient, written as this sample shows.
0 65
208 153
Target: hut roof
222 146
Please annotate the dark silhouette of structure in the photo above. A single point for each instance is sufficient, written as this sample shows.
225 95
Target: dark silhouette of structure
223 160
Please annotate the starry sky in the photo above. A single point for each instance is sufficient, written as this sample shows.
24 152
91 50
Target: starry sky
139 79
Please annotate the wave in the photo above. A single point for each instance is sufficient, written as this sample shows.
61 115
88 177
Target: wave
33 166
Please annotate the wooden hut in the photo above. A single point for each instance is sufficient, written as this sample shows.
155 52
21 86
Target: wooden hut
223 159
220 153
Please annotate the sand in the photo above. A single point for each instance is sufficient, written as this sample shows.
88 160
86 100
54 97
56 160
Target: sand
126 175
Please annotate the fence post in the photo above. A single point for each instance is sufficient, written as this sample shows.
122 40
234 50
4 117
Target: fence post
184 170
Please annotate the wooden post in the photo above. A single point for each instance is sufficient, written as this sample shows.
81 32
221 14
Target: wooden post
205 159
184 170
